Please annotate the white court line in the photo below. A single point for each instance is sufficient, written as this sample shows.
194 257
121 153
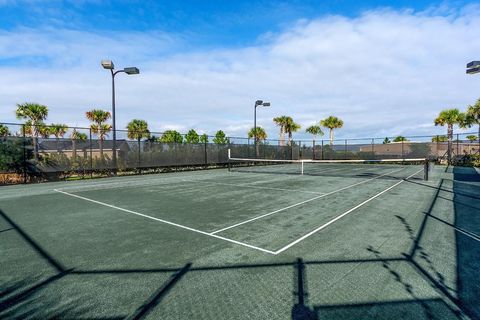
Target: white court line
300 203
248 185
165 221
342 215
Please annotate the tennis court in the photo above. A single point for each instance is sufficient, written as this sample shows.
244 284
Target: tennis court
341 241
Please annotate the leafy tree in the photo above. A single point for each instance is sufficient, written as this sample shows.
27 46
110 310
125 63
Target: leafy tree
4 131
35 113
204 138
400 139
386 140
281 122
450 117
332 123
137 130
440 139
99 127
473 116
171 136
472 138
192 136
75 136
58 130
290 127
220 138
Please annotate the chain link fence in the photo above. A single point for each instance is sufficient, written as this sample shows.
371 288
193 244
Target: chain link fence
31 155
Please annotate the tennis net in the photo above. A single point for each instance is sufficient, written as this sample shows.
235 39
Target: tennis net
394 168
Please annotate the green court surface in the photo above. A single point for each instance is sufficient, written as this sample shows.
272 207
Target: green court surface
371 243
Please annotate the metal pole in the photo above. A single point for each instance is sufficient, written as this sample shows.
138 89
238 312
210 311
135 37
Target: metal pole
91 154
458 151
114 142
373 148
322 149
255 128
24 155
345 149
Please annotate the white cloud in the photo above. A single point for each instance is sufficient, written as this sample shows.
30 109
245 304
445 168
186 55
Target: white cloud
383 73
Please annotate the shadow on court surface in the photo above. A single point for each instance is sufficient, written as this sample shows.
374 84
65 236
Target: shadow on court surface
24 299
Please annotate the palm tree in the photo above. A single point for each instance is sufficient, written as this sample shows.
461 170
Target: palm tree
35 113
386 140
99 127
290 127
314 130
4 132
450 117
138 129
473 117
76 136
259 135
331 123
58 130
281 122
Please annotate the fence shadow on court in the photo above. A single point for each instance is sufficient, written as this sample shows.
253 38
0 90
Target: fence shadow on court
24 298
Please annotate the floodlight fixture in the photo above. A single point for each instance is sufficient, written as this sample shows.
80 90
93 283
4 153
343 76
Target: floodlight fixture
108 64
131 70
473 64
473 70
258 103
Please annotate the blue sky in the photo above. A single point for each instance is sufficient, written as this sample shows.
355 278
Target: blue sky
385 67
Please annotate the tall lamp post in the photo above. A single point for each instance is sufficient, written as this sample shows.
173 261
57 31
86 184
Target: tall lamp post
108 64
258 103
472 68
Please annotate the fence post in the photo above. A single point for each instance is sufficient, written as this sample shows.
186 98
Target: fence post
313 153
458 151
139 160
91 152
403 154
322 150
205 152
345 149
373 148
24 155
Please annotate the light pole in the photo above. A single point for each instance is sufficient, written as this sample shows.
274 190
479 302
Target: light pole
108 64
472 68
257 104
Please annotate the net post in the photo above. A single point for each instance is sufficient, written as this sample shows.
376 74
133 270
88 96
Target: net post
426 168
229 163
302 166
